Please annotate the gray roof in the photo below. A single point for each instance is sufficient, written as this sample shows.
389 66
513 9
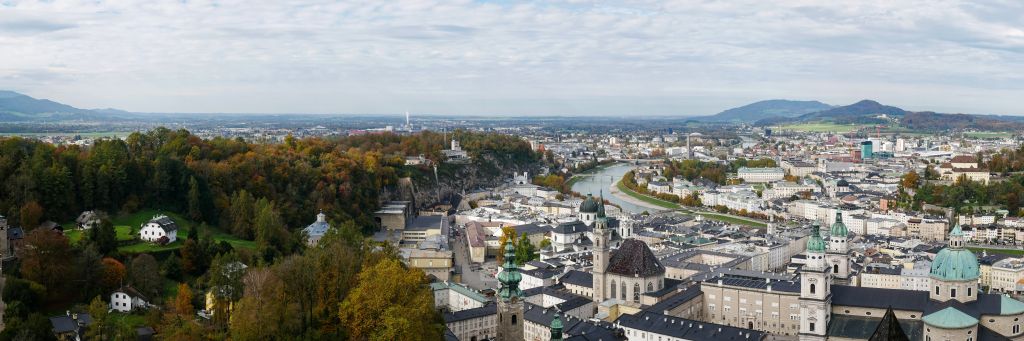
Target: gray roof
671 326
580 278
911 300
634 258
165 223
318 227
469 314
681 297
861 327
427 222
15 233
65 324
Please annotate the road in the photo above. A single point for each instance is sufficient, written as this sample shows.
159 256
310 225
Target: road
473 279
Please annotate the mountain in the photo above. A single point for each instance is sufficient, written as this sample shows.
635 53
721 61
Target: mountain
766 109
18 107
864 108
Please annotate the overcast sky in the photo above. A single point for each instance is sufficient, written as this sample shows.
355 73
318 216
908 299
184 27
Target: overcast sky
513 57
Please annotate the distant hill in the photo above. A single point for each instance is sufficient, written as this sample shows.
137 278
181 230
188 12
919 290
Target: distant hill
863 109
18 107
930 121
766 109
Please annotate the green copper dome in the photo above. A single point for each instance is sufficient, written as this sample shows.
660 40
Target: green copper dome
510 277
838 228
955 263
949 318
556 327
589 205
815 243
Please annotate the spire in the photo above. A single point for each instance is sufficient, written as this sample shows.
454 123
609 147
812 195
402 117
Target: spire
889 329
556 327
510 277
600 205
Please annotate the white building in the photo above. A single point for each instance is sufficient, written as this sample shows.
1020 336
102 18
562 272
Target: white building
127 299
158 227
766 174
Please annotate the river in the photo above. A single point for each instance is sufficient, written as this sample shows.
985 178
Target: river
600 180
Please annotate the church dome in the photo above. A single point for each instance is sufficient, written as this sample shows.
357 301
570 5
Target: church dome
955 263
815 243
589 205
838 228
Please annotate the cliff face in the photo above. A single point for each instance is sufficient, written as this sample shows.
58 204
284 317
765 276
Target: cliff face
452 180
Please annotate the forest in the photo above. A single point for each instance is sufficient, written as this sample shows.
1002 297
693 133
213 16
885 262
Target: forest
258 196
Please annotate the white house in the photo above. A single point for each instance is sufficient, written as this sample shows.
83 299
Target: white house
126 299
159 226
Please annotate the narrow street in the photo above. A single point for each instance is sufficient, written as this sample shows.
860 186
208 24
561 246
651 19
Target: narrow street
474 279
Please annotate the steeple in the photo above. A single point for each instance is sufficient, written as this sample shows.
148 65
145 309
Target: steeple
510 277
600 206
556 327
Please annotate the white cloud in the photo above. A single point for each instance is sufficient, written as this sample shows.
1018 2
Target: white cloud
508 57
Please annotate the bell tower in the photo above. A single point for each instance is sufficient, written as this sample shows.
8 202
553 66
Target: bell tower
815 290
838 251
601 238
510 299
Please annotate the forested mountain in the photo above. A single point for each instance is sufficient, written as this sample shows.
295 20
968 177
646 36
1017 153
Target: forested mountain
766 109
18 107
259 194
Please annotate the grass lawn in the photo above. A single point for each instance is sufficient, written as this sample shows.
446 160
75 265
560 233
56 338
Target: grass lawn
987 134
822 127
1014 252
128 225
129 320
648 199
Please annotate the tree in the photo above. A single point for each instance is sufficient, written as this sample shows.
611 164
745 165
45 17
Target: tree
31 215
113 274
910 180
44 258
178 323
525 251
508 233
144 274
271 235
265 312
193 258
225 281
172 267
390 302
100 328
195 200
241 214
104 237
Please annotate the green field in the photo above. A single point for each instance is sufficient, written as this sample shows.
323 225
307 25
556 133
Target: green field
648 199
127 227
1013 252
987 134
819 127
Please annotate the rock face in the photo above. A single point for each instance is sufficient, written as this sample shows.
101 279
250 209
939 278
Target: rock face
455 179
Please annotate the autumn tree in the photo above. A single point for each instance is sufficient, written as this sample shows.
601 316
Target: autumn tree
265 312
910 180
390 302
508 234
225 281
100 327
144 274
31 215
44 258
178 320
113 274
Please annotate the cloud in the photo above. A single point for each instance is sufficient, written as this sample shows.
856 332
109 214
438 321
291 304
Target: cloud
512 57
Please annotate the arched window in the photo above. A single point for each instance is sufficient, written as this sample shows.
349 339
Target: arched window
812 288
636 292
835 268
622 294
513 319
613 289
650 286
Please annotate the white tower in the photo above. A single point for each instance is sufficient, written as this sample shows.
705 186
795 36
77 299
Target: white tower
601 254
815 290
838 251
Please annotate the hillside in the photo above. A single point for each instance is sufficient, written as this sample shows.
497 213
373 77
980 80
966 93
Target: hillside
865 109
16 107
766 109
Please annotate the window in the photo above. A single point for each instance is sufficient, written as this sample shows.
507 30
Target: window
936 289
622 293
952 292
1016 328
513 319
835 268
636 292
613 289
968 291
812 288
811 326
650 287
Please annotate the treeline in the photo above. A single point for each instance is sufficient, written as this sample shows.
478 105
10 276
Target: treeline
964 194
1007 161
629 180
176 171
713 171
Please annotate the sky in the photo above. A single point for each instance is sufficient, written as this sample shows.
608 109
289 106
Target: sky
513 58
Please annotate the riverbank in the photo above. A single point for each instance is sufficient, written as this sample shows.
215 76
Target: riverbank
621 192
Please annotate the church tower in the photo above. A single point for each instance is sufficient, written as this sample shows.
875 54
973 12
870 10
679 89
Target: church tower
815 290
602 236
838 251
510 299
556 327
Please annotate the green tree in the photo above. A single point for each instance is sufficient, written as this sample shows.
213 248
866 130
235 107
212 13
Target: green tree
525 251
241 214
144 275
100 327
195 203
104 237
